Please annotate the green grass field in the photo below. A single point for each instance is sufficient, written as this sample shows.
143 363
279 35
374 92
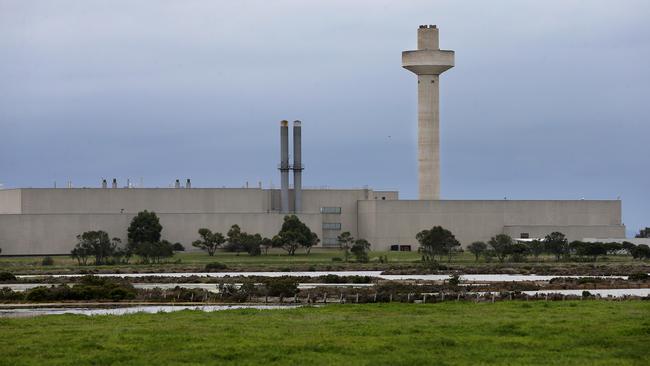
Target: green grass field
319 259
508 333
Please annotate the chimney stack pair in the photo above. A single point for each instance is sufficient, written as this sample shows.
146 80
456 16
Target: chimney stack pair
285 167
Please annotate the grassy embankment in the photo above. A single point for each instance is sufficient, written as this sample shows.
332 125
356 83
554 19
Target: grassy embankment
319 259
516 333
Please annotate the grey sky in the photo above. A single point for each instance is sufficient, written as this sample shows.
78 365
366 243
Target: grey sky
548 99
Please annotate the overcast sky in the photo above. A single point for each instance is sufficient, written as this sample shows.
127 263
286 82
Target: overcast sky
548 99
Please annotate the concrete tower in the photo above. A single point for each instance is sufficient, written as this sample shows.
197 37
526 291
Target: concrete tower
428 62
297 166
284 166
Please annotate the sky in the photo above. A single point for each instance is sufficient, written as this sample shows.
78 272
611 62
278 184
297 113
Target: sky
548 99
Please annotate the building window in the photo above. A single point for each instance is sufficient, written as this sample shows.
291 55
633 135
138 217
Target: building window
524 236
331 226
330 210
329 242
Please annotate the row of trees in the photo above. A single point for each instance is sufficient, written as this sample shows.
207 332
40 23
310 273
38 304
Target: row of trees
357 247
440 242
293 235
144 240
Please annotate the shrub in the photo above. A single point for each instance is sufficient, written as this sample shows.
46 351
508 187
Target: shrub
47 261
641 276
215 266
337 259
178 247
7 276
281 286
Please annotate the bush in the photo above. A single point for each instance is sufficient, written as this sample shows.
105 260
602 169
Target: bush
47 261
178 247
215 266
7 276
281 286
337 259
641 276
88 288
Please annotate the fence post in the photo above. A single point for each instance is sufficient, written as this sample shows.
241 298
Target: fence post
325 298
424 299
492 297
357 299
390 298
408 297
443 297
341 299
375 297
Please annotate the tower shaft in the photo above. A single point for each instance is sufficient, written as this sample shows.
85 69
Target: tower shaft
428 62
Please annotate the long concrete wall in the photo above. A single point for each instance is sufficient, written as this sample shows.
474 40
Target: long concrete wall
385 223
10 201
133 200
30 234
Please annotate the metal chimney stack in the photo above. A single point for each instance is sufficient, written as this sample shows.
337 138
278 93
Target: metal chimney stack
284 166
297 166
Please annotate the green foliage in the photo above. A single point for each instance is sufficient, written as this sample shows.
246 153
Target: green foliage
295 234
639 276
209 241
95 244
345 240
47 261
144 228
556 243
281 286
478 248
641 251
88 288
502 246
437 241
360 250
7 276
215 266
178 247
144 234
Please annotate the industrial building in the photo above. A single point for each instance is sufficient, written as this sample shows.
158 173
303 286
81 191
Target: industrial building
46 220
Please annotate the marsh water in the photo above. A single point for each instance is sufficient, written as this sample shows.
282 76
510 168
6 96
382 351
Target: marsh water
377 274
151 309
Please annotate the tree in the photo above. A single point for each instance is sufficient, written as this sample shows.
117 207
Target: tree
519 251
643 233
178 247
235 242
209 241
144 234
592 250
641 251
477 248
536 248
94 244
145 228
360 250
294 234
556 244
437 241
345 240
502 246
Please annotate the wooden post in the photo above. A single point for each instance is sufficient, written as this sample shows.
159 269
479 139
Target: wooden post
424 299
408 297
510 296
357 299
375 297
443 297
390 298
341 298
325 298
458 297
545 297
492 297
295 297
266 299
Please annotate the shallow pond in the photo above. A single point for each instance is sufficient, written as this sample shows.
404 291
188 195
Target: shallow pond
151 309
430 277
